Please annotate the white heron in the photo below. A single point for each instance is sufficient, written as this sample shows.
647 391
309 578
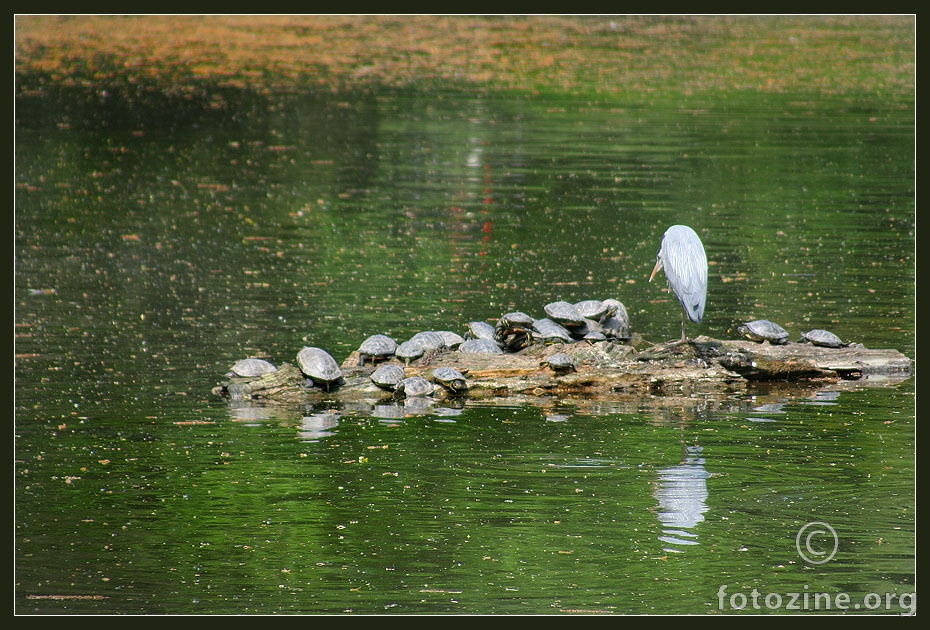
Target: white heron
682 257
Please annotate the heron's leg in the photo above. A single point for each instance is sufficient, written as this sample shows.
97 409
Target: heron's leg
684 319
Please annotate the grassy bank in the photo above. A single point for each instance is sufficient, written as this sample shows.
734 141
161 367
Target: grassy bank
602 54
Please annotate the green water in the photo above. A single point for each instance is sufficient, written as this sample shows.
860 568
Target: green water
159 240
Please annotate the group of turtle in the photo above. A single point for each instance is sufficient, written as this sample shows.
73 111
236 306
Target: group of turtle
589 320
392 377
316 364
763 330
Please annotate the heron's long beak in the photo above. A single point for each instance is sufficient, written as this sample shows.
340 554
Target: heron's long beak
655 270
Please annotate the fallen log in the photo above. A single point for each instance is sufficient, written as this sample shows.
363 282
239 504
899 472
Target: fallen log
603 370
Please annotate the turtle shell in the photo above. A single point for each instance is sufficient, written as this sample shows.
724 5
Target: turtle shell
564 313
318 365
480 346
616 322
514 320
591 309
823 338
429 340
408 351
453 340
251 368
549 331
764 330
376 347
480 330
388 376
450 378
559 362
514 330
414 386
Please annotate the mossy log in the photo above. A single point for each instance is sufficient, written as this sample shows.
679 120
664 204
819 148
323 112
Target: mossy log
603 371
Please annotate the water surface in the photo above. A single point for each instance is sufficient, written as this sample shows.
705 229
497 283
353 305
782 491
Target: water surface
160 240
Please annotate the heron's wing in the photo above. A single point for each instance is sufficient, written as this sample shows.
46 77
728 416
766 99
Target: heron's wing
685 267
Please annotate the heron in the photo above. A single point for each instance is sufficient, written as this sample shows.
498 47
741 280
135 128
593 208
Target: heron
682 257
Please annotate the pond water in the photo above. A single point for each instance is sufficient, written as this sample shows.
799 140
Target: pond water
159 239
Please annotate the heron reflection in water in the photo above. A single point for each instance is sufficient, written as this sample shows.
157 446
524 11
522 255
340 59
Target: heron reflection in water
682 495
682 257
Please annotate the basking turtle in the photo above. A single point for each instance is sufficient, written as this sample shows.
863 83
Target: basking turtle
453 340
514 331
823 338
414 386
480 346
616 322
549 331
614 307
388 376
251 368
560 363
480 330
592 309
408 351
450 378
319 366
763 330
376 347
564 313
514 320
429 340
516 340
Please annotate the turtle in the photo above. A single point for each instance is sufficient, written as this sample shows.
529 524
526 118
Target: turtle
823 338
408 351
592 309
388 376
480 346
564 313
549 331
429 340
251 368
514 331
480 330
513 320
516 340
319 366
450 378
414 386
559 363
616 322
763 330
376 347
453 340
615 307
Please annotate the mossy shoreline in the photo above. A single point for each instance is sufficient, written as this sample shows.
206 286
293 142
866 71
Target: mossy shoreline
611 55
